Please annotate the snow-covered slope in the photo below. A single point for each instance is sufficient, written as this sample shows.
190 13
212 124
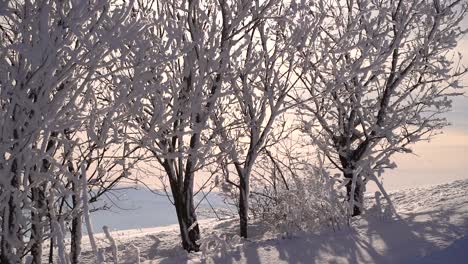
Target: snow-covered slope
432 228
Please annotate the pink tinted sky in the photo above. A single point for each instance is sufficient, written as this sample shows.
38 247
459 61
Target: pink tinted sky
443 159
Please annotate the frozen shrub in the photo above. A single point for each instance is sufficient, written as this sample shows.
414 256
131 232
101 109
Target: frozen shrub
306 198
219 243
311 204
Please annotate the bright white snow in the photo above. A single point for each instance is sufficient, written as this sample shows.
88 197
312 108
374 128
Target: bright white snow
432 228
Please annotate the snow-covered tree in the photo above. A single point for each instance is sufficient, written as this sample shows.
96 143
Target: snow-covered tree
249 117
200 38
376 79
50 55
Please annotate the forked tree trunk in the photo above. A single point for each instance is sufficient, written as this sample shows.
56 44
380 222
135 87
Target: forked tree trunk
244 190
358 196
189 229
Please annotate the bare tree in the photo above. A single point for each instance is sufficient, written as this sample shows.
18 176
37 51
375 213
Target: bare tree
375 80
249 119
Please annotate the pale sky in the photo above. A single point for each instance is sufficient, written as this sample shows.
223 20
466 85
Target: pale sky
443 159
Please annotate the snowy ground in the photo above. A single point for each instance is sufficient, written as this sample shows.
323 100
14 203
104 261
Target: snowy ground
433 228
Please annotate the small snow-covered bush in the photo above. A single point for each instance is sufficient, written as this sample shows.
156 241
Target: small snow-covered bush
307 198
217 244
310 205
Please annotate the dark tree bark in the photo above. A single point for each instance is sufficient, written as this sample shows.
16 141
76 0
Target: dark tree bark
37 227
189 229
5 248
243 207
359 188
40 204
51 246
10 229
358 193
76 228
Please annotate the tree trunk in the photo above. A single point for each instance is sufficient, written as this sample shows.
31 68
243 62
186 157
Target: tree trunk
4 250
243 207
39 201
358 193
51 246
11 228
189 229
12 232
76 232
37 228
